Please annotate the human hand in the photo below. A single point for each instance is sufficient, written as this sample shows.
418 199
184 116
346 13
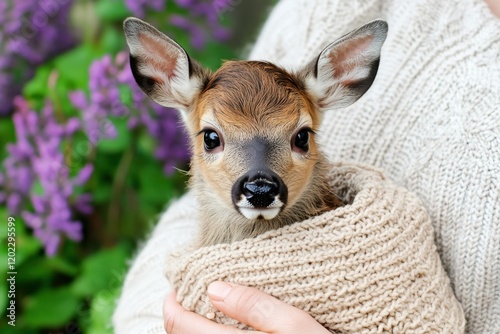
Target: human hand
250 306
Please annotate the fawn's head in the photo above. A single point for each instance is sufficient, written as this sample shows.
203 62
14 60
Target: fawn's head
252 124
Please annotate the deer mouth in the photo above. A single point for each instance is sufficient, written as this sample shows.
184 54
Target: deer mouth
249 211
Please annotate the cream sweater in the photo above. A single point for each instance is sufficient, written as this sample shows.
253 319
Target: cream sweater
366 267
431 121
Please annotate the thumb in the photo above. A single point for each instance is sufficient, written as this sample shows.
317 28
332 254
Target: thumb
258 309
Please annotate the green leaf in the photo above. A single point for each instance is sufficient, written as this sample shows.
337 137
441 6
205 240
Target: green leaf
60 264
146 144
214 53
4 216
73 66
121 141
112 40
101 311
34 271
37 188
19 328
125 94
7 135
101 194
26 245
101 272
4 266
154 185
112 10
72 73
50 308
3 294
37 87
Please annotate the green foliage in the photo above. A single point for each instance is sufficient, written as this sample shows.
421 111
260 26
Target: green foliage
50 308
3 294
111 11
101 271
101 311
75 290
55 79
118 144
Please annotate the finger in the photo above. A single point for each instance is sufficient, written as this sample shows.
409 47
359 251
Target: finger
260 310
178 320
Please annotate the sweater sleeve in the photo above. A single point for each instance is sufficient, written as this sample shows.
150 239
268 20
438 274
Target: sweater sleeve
430 120
297 30
140 306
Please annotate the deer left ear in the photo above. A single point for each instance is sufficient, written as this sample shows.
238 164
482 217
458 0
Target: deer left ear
162 68
346 68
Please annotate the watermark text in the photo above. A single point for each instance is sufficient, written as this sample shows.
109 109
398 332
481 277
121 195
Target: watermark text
11 273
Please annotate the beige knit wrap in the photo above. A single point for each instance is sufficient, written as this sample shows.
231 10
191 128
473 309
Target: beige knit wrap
370 266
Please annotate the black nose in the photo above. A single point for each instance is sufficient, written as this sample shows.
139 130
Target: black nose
260 192
260 188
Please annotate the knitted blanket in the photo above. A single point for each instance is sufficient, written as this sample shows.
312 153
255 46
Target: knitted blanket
370 266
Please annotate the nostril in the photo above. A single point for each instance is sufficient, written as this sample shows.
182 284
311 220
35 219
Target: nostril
260 188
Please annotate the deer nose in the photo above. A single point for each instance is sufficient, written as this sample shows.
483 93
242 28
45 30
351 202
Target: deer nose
259 193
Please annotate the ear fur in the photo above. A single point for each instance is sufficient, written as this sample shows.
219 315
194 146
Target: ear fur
162 68
346 68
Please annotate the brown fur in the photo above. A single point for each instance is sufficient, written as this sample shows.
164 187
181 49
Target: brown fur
249 99
257 108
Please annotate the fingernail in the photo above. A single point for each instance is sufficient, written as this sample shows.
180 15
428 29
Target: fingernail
218 291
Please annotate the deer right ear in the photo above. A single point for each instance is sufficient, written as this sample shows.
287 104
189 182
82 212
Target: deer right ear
346 68
161 67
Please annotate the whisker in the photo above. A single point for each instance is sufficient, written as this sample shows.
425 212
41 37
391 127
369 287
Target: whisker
182 171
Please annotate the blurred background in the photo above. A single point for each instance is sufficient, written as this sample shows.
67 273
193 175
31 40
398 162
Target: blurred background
87 162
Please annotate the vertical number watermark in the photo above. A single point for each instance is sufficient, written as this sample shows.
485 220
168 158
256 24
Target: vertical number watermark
11 273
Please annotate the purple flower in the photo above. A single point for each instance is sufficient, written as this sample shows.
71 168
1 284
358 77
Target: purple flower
108 80
139 7
103 102
36 174
169 134
32 32
202 23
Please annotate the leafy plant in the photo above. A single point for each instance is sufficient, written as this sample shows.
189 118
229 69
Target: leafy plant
89 161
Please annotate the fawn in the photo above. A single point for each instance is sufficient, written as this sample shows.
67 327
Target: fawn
255 164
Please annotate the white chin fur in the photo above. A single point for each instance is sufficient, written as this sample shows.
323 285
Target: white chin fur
251 213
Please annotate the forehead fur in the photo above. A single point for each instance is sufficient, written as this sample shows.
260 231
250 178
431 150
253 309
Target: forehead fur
252 93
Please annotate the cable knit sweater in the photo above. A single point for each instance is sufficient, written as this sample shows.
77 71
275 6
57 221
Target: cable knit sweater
431 121
369 266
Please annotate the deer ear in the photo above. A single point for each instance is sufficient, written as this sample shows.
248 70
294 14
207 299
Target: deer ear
346 68
162 68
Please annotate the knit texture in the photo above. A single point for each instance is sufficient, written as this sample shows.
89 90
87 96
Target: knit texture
370 266
431 121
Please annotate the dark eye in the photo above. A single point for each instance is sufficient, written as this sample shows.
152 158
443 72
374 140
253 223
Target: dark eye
211 139
302 140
